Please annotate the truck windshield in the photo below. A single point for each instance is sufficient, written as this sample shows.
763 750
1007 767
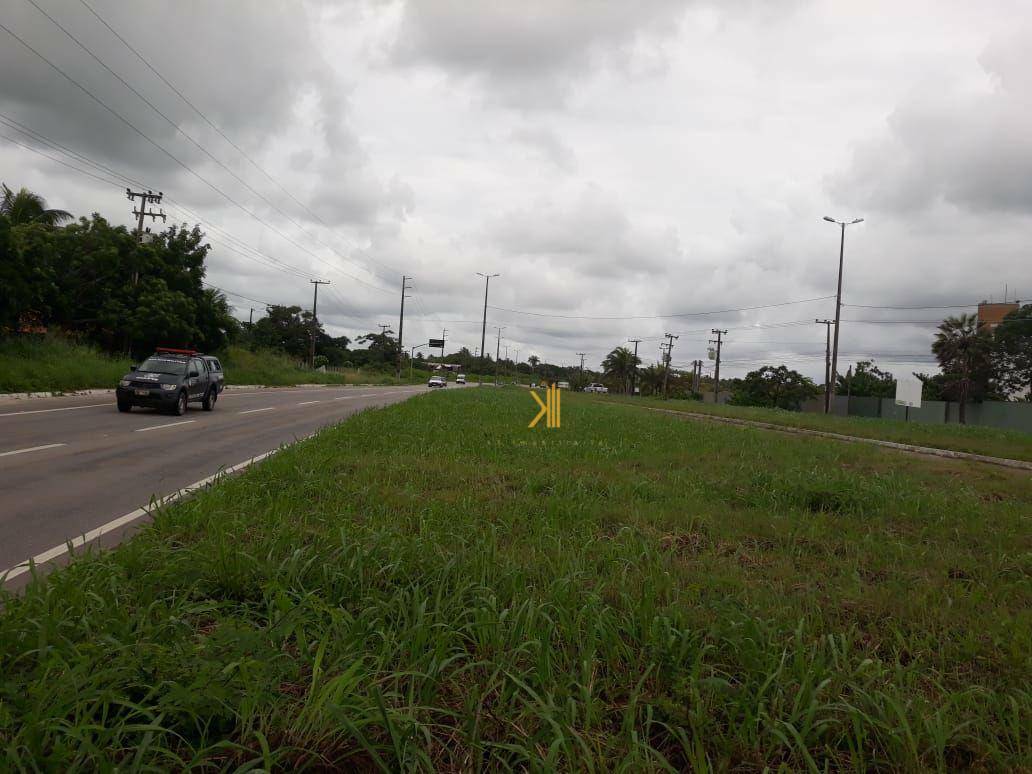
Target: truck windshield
164 365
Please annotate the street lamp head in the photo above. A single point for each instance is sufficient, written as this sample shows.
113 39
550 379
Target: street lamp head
830 220
858 220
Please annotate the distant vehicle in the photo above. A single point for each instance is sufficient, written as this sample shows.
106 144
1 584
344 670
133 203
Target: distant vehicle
460 379
436 381
596 387
563 385
170 379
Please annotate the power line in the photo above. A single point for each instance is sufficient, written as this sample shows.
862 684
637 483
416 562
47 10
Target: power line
661 316
184 165
191 139
219 131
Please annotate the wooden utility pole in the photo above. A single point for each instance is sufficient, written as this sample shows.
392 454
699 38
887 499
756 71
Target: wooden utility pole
827 363
315 323
668 347
634 364
401 323
580 373
716 376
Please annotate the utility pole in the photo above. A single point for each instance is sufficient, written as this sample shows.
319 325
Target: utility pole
517 367
716 375
498 346
838 294
315 323
696 374
145 197
401 323
580 374
250 319
483 325
444 335
634 364
827 362
666 372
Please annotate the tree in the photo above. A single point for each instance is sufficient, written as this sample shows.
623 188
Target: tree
619 365
27 207
964 350
867 381
1013 339
651 379
285 328
774 387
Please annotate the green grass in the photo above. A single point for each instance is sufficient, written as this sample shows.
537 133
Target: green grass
1012 444
55 364
275 370
434 586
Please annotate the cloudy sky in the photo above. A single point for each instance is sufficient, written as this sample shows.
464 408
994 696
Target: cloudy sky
629 169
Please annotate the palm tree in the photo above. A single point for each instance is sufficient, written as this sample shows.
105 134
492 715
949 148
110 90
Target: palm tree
964 350
620 364
27 207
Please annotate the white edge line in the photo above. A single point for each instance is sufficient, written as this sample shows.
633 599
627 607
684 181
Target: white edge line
309 402
93 534
32 449
254 411
159 427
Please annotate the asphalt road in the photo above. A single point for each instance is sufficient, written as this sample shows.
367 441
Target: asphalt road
69 466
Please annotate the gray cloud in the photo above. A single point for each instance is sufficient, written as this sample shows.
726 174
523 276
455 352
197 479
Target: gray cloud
970 149
547 145
527 54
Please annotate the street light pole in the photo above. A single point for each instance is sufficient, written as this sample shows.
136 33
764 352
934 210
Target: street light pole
411 358
838 297
483 325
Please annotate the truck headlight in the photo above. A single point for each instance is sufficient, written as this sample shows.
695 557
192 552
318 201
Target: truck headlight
169 387
124 383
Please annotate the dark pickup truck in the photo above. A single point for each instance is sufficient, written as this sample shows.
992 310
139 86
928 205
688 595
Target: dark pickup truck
170 379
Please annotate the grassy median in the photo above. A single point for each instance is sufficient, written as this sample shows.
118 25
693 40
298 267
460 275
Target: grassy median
1011 444
434 586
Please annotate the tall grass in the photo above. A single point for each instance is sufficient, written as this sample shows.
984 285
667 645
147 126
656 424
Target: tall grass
57 364
31 364
434 586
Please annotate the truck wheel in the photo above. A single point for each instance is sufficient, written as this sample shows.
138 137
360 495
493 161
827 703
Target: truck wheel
124 406
180 408
210 397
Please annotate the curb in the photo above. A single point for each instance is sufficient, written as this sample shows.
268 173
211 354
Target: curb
906 447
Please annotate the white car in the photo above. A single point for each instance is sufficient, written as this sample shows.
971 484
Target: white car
596 387
436 381
460 379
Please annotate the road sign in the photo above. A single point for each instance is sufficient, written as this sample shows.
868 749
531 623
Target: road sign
436 343
908 391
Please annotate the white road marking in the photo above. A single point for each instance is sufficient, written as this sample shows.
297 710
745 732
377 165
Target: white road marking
309 402
32 449
121 521
66 408
170 424
252 411
347 397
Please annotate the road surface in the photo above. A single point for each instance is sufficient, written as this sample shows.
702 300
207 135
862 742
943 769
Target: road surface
69 466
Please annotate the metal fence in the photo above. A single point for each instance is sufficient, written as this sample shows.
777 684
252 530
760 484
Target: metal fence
1002 414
